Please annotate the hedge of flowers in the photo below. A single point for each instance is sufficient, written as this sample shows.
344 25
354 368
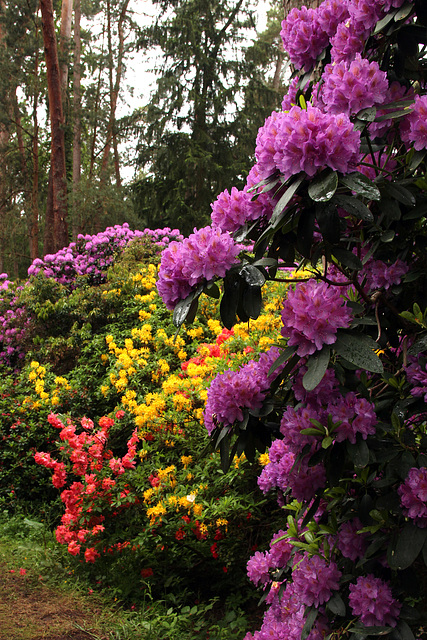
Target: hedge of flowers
107 413
339 188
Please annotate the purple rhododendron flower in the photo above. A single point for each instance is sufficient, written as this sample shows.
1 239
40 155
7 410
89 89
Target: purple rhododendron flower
204 254
311 315
352 544
303 37
230 210
413 496
233 391
348 41
366 13
350 87
314 579
356 415
417 376
258 568
306 140
371 599
414 130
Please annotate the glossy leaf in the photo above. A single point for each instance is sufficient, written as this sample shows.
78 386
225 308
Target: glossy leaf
355 207
359 350
323 187
408 546
361 185
317 365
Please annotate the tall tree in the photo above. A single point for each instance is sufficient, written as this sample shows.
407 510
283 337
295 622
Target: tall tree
194 143
58 169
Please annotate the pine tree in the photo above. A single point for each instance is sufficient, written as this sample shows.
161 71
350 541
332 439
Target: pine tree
202 120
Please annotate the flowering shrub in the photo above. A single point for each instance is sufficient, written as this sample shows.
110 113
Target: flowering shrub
341 182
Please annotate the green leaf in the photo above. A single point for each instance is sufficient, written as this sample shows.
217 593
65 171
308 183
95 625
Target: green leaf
358 453
359 350
361 185
285 199
407 548
322 188
252 276
316 368
329 222
347 258
387 236
311 615
212 290
252 302
419 345
326 442
336 605
230 300
384 22
405 631
305 231
284 356
401 194
404 11
416 159
185 310
370 631
354 207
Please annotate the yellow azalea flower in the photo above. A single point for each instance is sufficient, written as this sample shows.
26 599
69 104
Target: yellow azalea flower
32 375
189 477
156 512
186 460
264 459
34 364
148 493
143 454
203 529
195 333
222 522
144 315
104 358
197 509
170 443
163 473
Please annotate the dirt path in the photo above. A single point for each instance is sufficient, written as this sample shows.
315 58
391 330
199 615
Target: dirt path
32 611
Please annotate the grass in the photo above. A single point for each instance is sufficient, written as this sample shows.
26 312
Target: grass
42 599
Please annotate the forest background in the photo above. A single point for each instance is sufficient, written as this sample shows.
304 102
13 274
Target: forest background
62 132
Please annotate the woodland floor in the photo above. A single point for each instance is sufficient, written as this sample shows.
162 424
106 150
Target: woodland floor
33 611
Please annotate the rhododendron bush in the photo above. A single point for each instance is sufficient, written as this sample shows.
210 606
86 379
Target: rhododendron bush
337 405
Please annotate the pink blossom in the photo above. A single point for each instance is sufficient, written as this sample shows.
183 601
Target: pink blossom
371 599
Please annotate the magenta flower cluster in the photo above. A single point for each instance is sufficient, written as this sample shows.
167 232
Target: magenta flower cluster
306 140
312 582
413 496
205 254
371 599
233 391
350 87
91 255
414 130
416 375
311 315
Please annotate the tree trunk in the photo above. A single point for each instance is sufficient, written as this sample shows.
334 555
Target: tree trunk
77 128
58 170
64 46
114 88
34 231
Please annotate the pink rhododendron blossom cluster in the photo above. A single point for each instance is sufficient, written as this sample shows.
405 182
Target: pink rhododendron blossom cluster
206 253
303 37
230 210
413 496
306 140
233 391
315 579
414 130
311 315
371 599
417 375
351 543
350 87
380 275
